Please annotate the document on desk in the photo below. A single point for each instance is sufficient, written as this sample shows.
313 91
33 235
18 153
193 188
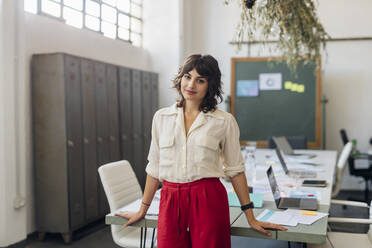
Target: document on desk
277 217
305 217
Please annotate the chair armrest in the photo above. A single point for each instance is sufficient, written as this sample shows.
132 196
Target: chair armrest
349 220
350 203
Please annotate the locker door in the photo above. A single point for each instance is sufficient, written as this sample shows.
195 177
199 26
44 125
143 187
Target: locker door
154 92
103 152
137 123
89 139
113 108
74 141
147 113
126 119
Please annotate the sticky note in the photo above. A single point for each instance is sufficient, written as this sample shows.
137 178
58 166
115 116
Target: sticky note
294 87
300 88
287 85
308 213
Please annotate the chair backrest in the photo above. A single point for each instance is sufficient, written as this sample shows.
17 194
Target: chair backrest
120 184
296 142
345 154
344 137
121 187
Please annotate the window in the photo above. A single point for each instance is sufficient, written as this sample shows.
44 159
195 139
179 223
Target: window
116 19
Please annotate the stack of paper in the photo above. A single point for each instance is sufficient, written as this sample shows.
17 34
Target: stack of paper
305 217
290 217
276 217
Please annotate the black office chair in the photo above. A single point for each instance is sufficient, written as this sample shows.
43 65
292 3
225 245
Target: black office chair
366 174
296 142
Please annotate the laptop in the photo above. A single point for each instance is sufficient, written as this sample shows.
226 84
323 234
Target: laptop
284 145
294 172
289 202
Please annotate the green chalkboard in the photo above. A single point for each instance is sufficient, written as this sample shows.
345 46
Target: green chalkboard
289 110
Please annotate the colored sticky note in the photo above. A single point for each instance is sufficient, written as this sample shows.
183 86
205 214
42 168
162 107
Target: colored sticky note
308 213
288 85
294 87
301 88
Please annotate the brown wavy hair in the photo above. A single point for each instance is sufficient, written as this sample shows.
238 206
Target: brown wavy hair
207 67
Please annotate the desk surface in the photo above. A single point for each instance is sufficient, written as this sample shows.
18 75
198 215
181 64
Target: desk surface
315 233
151 221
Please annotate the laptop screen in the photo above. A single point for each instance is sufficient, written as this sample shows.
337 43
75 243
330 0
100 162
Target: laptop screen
281 160
283 145
273 185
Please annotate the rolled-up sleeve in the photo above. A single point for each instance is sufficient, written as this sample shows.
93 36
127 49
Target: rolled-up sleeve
152 167
231 155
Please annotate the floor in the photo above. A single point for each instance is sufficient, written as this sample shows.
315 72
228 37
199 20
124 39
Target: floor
99 235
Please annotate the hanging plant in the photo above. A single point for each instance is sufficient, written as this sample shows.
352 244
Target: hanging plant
293 23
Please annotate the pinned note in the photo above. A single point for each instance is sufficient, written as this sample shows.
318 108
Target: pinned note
288 85
301 88
294 87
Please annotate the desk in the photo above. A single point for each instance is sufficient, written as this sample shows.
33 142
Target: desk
151 221
315 233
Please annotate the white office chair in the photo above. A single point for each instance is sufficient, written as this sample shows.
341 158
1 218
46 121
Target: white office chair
339 239
341 168
121 188
347 240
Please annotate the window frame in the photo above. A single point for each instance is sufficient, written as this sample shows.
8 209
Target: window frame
100 2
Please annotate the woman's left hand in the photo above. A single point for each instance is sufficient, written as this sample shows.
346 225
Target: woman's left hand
260 226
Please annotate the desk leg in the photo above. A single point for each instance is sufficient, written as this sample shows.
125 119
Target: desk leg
304 245
152 240
289 244
144 240
141 237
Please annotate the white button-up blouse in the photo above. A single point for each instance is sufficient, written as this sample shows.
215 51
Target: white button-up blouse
210 149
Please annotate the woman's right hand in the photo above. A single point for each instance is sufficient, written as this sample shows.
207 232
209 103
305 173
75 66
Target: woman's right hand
132 217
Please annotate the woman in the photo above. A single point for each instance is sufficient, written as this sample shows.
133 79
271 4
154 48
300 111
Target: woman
193 145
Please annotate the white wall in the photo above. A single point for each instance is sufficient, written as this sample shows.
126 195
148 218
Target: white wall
9 139
163 40
347 77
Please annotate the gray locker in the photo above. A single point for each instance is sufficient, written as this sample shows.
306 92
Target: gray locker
103 151
74 141
137 124
85 114
113 111
147 112
89 140
154 92
126 119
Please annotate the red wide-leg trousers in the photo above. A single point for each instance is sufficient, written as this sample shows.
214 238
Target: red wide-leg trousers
194 215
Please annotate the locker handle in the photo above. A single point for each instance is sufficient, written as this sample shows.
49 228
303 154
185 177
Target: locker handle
99 139
112 138
124 137
70 143
86 141
135 136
